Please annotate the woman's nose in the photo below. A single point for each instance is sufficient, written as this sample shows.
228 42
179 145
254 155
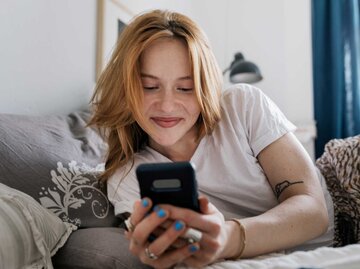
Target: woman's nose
167 101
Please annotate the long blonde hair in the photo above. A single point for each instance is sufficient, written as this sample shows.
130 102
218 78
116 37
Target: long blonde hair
119 92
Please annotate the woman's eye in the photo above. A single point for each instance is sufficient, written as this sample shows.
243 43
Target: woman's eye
150 88
185 89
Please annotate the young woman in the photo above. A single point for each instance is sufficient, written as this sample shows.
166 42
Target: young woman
160 99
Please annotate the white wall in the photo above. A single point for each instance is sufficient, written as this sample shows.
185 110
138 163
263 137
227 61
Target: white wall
47 53
276 35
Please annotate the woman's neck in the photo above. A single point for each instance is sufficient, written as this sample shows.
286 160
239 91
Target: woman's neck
183 150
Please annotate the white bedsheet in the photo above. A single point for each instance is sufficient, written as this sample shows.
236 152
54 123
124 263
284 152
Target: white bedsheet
347 257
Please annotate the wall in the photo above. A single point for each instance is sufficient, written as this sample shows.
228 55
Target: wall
47 54
276 35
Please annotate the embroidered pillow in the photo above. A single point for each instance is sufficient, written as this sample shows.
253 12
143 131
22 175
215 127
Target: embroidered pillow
57 160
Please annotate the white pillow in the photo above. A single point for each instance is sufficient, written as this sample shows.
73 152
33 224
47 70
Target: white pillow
29 233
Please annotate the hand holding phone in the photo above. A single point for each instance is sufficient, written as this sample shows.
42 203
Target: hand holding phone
171 183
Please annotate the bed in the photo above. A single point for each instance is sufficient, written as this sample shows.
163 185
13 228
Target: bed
55 161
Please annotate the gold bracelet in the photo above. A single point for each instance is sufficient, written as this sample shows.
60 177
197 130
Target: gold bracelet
243 237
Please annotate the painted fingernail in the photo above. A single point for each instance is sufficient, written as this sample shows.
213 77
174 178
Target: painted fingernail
193 248
178 225
144 202
156 208
161 213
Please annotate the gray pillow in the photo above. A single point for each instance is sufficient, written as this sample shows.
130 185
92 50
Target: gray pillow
57 160
111 251
29 233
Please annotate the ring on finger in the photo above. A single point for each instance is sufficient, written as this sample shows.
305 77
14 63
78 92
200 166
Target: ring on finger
192 235
128 224
150 255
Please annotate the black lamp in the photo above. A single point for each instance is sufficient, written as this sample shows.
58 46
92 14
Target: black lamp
242 71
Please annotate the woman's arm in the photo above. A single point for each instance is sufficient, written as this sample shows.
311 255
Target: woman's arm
301 214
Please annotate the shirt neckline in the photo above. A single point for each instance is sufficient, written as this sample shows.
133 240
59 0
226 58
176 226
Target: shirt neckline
193 158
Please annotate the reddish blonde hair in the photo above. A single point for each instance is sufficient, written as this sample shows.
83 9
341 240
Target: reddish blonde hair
119 93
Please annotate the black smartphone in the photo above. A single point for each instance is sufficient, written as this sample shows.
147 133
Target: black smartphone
169 183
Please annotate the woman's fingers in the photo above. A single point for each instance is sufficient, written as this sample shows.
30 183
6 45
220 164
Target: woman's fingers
204 204
167 238
157 238
160 252
169 258
208 223
178 243
141 208
146 226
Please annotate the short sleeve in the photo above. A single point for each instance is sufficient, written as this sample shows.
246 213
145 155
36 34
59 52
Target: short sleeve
262 119
123 190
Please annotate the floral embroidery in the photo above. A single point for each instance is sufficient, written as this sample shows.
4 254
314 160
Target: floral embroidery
75 187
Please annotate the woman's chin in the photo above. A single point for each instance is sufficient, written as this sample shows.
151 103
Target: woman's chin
164 141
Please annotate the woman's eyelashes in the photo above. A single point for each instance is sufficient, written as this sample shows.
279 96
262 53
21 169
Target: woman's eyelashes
182 89
185 89
149 88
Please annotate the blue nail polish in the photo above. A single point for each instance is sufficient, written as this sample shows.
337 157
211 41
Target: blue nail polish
193 248
161 213
144 202
178 225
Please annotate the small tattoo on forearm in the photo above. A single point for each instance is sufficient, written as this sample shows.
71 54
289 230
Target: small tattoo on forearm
279 188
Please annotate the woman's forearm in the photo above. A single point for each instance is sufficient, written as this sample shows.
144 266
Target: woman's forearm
294 221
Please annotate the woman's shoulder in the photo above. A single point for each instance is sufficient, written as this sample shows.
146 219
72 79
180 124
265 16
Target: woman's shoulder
241 97
242 90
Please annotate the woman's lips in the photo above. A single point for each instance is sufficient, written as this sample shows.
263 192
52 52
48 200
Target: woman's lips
166 122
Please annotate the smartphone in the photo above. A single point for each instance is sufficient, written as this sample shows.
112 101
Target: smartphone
169 183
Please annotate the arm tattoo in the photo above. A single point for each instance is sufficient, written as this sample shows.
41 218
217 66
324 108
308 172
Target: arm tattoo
279 188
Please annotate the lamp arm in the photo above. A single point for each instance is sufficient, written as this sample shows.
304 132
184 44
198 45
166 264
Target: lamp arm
227 69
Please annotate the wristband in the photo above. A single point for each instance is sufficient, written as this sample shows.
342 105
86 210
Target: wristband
243 237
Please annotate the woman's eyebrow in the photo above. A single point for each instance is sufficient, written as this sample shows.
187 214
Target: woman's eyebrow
144 75
185 78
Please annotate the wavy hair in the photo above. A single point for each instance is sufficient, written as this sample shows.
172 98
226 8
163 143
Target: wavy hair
119 92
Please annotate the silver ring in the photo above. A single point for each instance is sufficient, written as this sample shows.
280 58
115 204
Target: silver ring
129 226
150 255
192 235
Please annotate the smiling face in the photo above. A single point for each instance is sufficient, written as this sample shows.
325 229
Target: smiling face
170 105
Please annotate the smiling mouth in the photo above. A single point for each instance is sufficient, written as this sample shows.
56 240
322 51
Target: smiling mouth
166 122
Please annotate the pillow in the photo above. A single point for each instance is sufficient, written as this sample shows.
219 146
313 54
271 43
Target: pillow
30 234
340 165
111 250
57 160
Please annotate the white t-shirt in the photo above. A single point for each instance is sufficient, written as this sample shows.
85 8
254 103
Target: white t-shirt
227 169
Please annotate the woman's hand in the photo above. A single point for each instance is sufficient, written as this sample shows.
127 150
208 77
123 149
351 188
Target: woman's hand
160 253
217 240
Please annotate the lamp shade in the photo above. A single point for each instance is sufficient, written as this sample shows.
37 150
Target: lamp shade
242 71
